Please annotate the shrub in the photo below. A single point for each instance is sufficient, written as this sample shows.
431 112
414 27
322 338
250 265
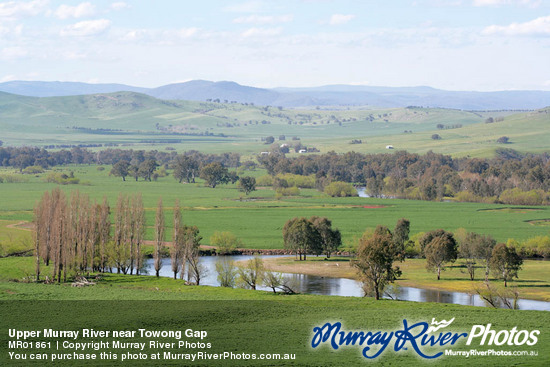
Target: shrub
265 180
340 189
517 196
288 191
33 170
535 246
303 182
62 179
9 178
226 242
467 196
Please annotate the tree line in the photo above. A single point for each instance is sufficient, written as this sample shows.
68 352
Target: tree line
510 177
23 157
379 250
76 236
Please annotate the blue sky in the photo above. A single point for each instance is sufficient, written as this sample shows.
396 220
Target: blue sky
448 44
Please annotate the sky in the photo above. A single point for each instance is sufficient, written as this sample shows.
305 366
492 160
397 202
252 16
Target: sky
481 45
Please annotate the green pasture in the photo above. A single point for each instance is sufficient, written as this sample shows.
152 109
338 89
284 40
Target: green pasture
258 219
141 122
244 320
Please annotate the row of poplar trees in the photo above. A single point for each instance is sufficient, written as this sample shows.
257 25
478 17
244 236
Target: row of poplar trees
76 236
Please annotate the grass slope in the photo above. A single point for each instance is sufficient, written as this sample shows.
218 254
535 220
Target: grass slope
217 127
243 321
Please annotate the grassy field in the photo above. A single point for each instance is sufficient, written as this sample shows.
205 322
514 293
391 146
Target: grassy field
143 122
258 219
240 320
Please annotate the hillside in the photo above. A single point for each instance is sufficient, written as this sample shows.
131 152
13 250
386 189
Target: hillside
331 95
128 118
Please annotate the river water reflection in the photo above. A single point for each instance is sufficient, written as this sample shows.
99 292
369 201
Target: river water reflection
327 286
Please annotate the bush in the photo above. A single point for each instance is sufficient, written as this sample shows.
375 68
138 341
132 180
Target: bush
467 196
302 182
9 178
226 242
535 246
265 180
340 189
288 191
517 196
33 170
62 179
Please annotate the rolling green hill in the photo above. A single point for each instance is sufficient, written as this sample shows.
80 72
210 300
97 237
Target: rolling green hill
138 120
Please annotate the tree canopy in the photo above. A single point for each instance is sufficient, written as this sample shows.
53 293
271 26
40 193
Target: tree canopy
375 257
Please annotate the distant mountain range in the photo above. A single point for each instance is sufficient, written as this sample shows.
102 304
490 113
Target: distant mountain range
331 95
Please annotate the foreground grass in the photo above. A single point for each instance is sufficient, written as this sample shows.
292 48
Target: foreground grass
246 321
533 282
241 320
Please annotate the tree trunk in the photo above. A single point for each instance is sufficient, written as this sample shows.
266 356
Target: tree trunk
37 261
438 273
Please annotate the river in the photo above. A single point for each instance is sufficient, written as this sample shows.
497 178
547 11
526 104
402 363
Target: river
327 286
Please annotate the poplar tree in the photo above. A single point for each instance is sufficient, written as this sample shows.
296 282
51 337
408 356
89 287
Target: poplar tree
104 229
139 229
159 237
177 249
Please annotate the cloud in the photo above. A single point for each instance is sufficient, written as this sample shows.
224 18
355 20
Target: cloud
529 3
11 30
134 35
264 19
79 11
262 32
13 53
246 7
338 19
8 78
86 28
187 32
119 6
18 9
536 27
72 55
